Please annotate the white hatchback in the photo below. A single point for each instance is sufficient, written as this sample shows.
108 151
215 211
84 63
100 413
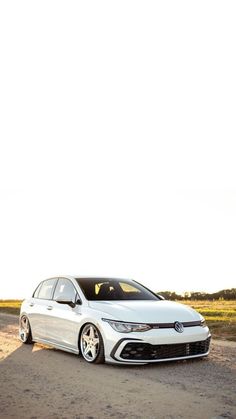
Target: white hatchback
114 320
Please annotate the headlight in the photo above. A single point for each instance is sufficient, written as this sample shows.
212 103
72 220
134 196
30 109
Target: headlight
203 323
125 327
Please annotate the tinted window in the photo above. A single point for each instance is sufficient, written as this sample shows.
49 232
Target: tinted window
65 290
36 292
113 289
46 289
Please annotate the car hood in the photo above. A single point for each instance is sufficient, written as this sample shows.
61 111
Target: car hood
146 311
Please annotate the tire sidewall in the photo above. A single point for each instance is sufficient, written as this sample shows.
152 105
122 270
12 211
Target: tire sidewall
29 338
100 355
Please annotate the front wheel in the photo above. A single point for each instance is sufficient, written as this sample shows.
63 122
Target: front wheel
91 344
25 330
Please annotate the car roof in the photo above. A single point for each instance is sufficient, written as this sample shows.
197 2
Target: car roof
101 277
88 277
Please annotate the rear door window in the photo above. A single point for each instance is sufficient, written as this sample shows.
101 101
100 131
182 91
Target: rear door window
46 289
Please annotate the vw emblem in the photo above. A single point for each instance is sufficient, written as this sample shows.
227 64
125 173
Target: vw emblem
179 327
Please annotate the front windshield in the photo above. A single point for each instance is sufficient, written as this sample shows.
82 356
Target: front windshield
98 289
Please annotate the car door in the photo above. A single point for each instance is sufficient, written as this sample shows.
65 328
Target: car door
39 307
63 321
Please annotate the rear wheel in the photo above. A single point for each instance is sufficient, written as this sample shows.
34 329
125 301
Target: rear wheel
25 330
91 344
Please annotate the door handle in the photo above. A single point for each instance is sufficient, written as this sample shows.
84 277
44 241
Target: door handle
31 305
49 307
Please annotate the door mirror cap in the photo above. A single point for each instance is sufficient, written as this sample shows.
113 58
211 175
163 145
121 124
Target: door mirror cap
68 302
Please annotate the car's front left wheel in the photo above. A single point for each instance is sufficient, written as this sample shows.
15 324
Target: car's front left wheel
25 330
91 344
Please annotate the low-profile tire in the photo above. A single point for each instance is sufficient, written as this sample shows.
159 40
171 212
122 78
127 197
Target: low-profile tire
91 344
25 330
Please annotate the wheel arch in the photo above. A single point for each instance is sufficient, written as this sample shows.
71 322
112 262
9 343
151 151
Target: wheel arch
99 356
96 324
85 322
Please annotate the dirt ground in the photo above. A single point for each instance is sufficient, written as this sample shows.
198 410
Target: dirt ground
39 382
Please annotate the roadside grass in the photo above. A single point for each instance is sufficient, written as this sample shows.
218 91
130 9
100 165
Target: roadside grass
10 306
220 315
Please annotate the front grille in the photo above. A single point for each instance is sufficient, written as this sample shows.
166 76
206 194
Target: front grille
172 325
146 351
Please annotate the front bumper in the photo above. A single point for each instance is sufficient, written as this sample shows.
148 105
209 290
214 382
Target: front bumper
157 345
136 351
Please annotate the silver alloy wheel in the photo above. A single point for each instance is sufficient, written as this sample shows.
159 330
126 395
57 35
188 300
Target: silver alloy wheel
24 331
90 342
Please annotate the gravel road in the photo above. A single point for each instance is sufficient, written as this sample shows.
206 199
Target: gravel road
39 382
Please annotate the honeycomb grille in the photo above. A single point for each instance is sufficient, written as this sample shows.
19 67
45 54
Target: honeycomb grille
146 351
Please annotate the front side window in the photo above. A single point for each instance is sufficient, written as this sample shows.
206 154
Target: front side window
96 289
65 290
46 289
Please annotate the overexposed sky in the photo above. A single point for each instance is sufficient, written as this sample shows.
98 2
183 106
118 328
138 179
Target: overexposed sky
118 143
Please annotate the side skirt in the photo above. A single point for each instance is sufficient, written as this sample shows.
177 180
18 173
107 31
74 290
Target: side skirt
57 346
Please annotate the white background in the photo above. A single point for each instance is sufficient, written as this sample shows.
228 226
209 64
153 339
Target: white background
117 142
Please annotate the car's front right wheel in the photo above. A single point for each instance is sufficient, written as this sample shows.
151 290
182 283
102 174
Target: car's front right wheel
91 344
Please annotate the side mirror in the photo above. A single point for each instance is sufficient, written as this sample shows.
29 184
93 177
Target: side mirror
161 297
68 302
78 302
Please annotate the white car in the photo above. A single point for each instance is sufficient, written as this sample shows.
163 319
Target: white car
113 320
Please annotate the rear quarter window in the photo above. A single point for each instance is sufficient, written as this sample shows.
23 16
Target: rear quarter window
36 292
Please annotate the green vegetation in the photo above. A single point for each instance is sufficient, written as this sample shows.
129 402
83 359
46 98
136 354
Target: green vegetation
10 306
220 316
228 294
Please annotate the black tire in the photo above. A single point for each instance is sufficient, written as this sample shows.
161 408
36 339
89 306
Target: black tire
25 330
99 357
